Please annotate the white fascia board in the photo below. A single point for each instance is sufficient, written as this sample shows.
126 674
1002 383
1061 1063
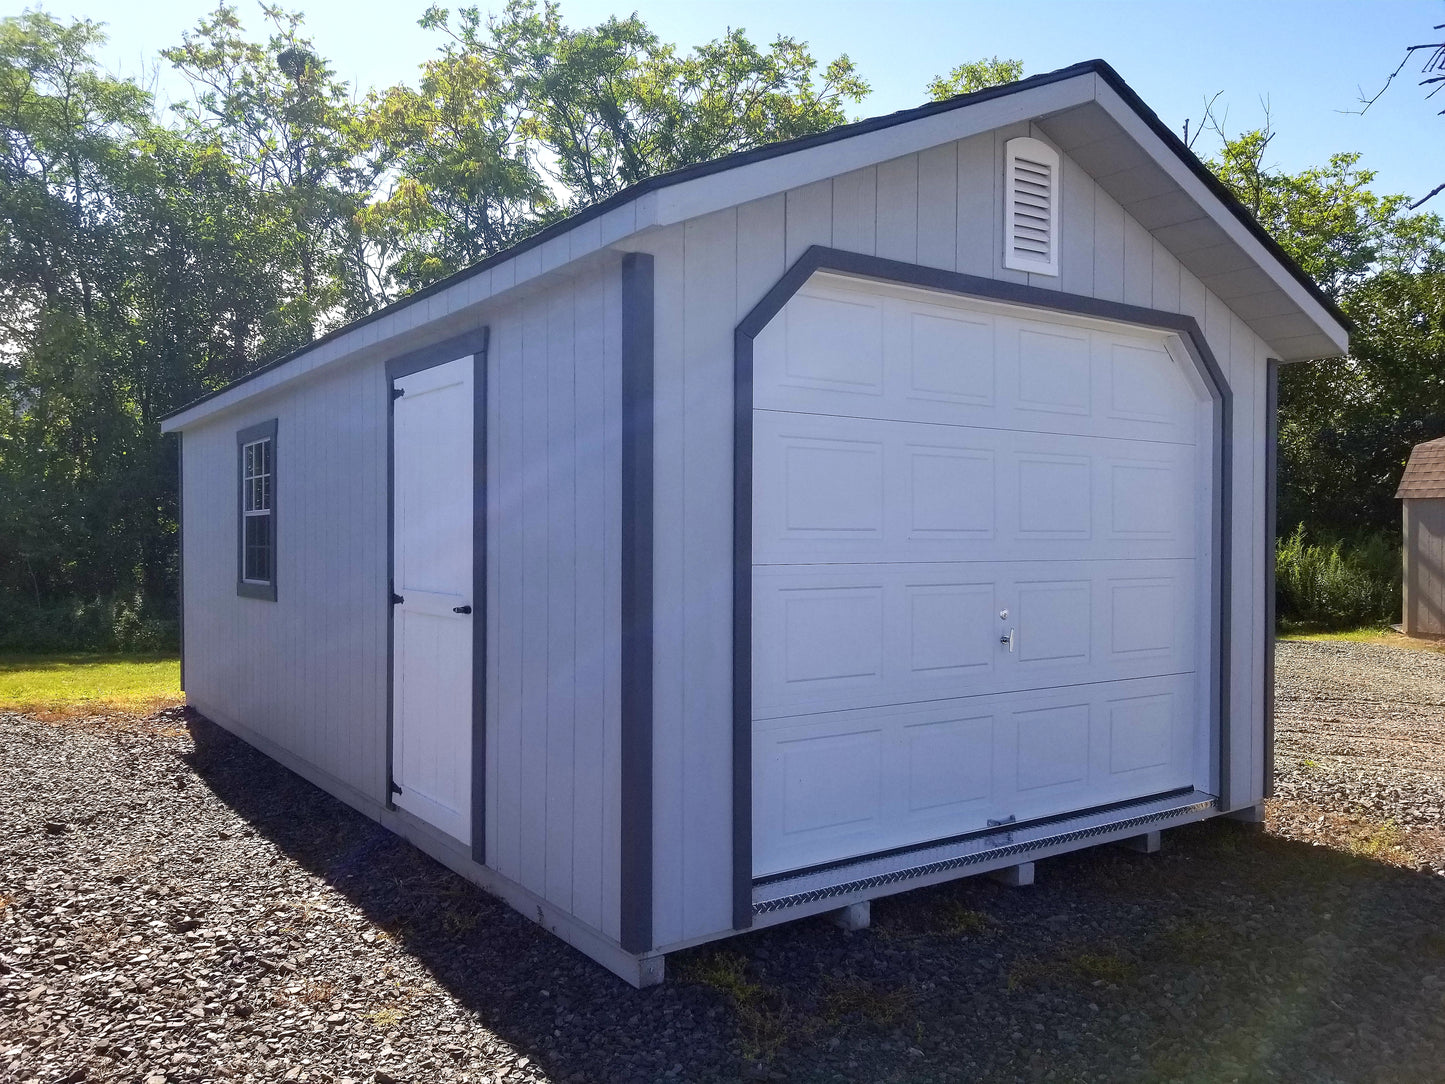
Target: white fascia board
1237 232
743 184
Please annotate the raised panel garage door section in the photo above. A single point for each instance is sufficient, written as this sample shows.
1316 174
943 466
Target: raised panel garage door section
981 568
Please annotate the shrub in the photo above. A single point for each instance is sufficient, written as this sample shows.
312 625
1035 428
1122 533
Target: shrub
126 623
1340 583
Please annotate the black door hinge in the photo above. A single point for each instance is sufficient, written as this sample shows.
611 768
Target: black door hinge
396 600
397 393
393 788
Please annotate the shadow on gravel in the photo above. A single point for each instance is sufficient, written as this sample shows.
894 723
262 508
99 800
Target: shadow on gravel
1232 955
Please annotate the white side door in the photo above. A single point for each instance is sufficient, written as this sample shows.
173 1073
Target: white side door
432 577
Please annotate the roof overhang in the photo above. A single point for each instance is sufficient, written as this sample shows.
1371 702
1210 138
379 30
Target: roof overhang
1087 109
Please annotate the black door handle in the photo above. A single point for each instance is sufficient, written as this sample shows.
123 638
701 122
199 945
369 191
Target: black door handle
461 609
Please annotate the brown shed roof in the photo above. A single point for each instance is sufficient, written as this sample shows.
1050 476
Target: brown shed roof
1425 473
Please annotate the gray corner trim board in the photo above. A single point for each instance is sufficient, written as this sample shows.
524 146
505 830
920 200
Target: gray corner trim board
1271 540
265 591
820 258
181 551
636 573
473 344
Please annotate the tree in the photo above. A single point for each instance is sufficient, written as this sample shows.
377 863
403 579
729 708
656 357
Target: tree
1347 425
138 268
975 75
521 119
295 137
1433 70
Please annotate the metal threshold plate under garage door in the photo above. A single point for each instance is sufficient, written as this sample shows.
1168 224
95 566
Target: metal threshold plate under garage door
982 560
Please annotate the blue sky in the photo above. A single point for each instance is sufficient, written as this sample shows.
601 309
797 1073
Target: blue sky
1309 61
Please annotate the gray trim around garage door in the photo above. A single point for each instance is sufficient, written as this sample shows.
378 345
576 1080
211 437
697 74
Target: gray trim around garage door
637 512
246 588
1271 537
473 344
820 258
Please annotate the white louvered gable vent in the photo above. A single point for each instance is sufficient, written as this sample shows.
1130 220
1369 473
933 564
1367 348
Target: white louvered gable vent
1031 206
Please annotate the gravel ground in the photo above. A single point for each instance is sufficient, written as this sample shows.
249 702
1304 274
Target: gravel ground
175 907
1360 750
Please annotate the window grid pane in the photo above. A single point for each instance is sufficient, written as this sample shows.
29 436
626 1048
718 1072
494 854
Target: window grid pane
256 541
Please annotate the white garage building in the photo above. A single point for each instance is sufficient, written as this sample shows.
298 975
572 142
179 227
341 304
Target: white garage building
842 516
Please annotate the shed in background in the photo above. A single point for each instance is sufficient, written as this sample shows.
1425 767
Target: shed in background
1422 491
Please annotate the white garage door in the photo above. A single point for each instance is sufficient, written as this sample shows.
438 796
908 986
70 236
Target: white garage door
981 555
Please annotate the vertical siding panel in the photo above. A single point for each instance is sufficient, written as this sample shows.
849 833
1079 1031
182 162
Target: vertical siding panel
855 211
535 610
938 206
809 218
304 605
898 209
496 476
1138 264
612 564
508 342
1244 547
710 303
1108 248
591 717
1192 296
1076 229
1263 552
977 204
561 590
668 570
761 253
1166 279
379 609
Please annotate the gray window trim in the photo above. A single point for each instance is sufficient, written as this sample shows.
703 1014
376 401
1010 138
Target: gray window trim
821 258
476 344
635 876
251 589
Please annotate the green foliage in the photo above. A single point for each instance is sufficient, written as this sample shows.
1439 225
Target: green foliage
975 75
145 260
1347 425
1338 584
522 118
116 623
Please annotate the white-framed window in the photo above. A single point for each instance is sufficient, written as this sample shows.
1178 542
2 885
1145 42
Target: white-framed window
257 534
1031 206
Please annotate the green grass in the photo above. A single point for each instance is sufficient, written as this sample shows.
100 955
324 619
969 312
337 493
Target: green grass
69 685
1368 634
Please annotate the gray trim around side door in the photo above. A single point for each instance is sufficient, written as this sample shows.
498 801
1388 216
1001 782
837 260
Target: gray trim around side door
473 344
635 876
820 258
